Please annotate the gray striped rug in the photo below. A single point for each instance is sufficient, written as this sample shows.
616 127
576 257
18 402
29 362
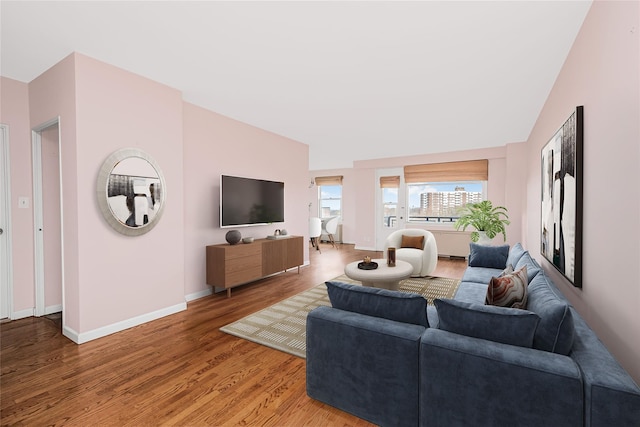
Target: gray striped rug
283 325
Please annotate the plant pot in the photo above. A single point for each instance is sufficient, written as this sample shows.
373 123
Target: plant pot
485 240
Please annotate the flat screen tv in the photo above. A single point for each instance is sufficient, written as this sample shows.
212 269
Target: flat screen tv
249 201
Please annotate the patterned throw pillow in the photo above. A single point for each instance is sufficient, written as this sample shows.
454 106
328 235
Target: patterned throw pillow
416 242
509 290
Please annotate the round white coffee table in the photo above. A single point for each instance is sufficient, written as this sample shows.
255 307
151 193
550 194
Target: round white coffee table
382 277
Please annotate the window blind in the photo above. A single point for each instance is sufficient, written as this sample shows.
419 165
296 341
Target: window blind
389 182
329 180
471 170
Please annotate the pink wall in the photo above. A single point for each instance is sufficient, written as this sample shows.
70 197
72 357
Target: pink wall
124 277
602 73
506 177
112 281
14 112
215 145
52 95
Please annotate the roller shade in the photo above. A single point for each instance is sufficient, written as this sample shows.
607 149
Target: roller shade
471 170
329 180
389 182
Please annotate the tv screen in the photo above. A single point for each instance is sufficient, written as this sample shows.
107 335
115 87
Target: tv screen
248 201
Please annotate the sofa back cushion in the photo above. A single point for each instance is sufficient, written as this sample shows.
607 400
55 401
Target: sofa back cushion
515 253
532 266
393 305
499 324
556 331
488 256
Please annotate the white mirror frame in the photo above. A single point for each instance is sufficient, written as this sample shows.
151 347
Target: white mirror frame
102 194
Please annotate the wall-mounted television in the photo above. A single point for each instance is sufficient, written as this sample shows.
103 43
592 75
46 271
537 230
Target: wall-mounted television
249 201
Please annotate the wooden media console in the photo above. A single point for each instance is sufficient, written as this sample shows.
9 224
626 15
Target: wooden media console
233 265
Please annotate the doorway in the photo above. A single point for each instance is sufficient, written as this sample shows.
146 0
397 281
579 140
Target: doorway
6 264
47 207
390 204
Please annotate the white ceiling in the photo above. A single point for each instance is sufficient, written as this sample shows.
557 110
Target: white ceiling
354 80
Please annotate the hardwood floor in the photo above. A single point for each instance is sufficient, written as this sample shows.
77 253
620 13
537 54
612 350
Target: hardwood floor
179 370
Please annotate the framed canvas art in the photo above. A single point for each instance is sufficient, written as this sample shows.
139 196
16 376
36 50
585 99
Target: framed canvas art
561 219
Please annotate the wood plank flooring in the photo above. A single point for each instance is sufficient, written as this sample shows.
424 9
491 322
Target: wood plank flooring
176 371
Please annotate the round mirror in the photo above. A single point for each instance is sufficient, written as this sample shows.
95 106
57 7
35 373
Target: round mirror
131 191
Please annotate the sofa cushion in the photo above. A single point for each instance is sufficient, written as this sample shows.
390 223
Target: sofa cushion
499 324
515 253
532 266
509 290
488 256
416 242
556 330
393 305
508 270
480 275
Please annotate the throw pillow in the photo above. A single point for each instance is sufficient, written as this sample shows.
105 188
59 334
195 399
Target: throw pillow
416 242
393 305
499 324
509 290
488 256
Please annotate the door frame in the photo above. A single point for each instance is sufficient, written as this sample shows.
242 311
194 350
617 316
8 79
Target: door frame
38 216
6 249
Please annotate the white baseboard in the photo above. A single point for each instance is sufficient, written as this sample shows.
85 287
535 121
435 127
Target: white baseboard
121 326
364 248
52 309
199 294
28 312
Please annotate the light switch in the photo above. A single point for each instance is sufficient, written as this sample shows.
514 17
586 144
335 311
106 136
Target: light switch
23 202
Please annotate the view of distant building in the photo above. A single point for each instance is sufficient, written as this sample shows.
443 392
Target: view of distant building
446 203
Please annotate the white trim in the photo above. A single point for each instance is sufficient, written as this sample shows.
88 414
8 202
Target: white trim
53 309
6 251
27 312
38 241
364 248
81 338
198 295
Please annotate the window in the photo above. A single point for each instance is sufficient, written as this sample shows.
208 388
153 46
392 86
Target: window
330 200
438 191
441 202
329 196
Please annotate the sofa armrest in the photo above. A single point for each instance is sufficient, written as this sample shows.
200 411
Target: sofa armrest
364 365
464 378
612 398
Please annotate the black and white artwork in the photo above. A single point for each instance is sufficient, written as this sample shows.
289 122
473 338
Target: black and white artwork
561 221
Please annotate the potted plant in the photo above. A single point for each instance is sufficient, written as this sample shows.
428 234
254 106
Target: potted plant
485 218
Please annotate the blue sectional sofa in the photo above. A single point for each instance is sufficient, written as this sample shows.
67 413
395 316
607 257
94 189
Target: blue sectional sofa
389 358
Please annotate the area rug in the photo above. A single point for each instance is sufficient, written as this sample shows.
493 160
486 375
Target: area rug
283 325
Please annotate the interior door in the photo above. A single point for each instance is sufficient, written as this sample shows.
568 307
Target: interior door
390 204
47 204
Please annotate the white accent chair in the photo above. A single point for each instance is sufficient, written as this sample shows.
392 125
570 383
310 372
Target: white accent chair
315 230
423 260
331 228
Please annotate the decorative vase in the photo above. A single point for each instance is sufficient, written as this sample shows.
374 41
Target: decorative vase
233 237
391 257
